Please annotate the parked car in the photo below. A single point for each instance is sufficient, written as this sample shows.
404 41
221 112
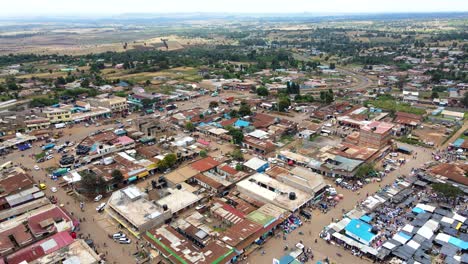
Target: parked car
124 240
119 235
36 167
53 189
100 207
306 214
49 157
98 198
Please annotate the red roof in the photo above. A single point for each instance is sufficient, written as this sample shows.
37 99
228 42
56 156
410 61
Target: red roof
41 248
19 232
228 169
228 122
205 164
55 213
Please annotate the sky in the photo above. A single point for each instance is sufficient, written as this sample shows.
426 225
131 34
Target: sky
112 7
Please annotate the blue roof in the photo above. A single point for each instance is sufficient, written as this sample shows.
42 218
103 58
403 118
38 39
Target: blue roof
418 210
241 123
457 143
458 242
286 259
366 218
404 235
360 229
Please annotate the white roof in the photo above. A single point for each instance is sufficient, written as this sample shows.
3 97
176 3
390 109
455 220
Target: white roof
427 208
447 220
432 225
425 232
400 239
255 163
442 237
459 218
388 245
341 224
74 177
258 134
453 113
413 244
408 228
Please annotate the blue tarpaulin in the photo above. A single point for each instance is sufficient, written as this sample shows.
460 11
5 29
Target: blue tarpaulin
457 143
359 230
418 210
241 123
366 218
458 242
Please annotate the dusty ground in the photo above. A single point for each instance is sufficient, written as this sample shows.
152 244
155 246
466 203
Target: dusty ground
431 133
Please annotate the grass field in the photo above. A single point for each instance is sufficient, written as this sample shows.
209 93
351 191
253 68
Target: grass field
180 73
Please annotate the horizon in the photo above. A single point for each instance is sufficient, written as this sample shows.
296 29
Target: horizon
34 8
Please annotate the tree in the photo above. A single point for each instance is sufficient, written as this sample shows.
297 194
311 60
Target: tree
85 83
190 126
239 167
283 104
434 95
237 154
465 100
244 109
148 82
447 190
170 159
332 66
237 135
262 91
213 104
203 154
117 176
233 113
365 170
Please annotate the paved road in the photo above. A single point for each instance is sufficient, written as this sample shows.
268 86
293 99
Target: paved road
274 247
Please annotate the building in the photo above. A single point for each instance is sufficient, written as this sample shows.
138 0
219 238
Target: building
178 200
116 104
455 172
256 164
76 252
58 115
37 123
261 146
131 208
302 179
182 247
375 134
408 119
17 188
268 190
453 115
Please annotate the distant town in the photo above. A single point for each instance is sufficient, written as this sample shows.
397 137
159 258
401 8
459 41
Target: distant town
269 141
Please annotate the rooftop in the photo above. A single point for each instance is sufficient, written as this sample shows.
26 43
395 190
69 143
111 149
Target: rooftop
453 171
269 190
205 164
77 252
377 127
135 208
178 199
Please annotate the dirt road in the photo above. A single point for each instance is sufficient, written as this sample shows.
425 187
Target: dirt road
117 253
274 247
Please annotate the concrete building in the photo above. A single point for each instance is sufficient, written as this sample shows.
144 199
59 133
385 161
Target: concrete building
58 115
178 200
77 252
268 190
375 134
37 123
116 104
131 208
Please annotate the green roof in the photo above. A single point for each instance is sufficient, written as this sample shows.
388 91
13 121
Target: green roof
260 218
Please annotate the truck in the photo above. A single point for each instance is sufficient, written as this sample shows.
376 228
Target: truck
60 125
60 172
48 146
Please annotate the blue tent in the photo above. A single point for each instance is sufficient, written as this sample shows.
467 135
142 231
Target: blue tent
366 218
241 123
457 143
418 210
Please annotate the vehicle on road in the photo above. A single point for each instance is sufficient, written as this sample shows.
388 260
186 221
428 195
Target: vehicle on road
42 186
36 167
124 240
53 189
100 207
48 146
119 235
49 157
98 198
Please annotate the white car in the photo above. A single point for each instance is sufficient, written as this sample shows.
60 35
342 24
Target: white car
49 157
36 167
100 207
98 198
53 189
124 240
119 235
